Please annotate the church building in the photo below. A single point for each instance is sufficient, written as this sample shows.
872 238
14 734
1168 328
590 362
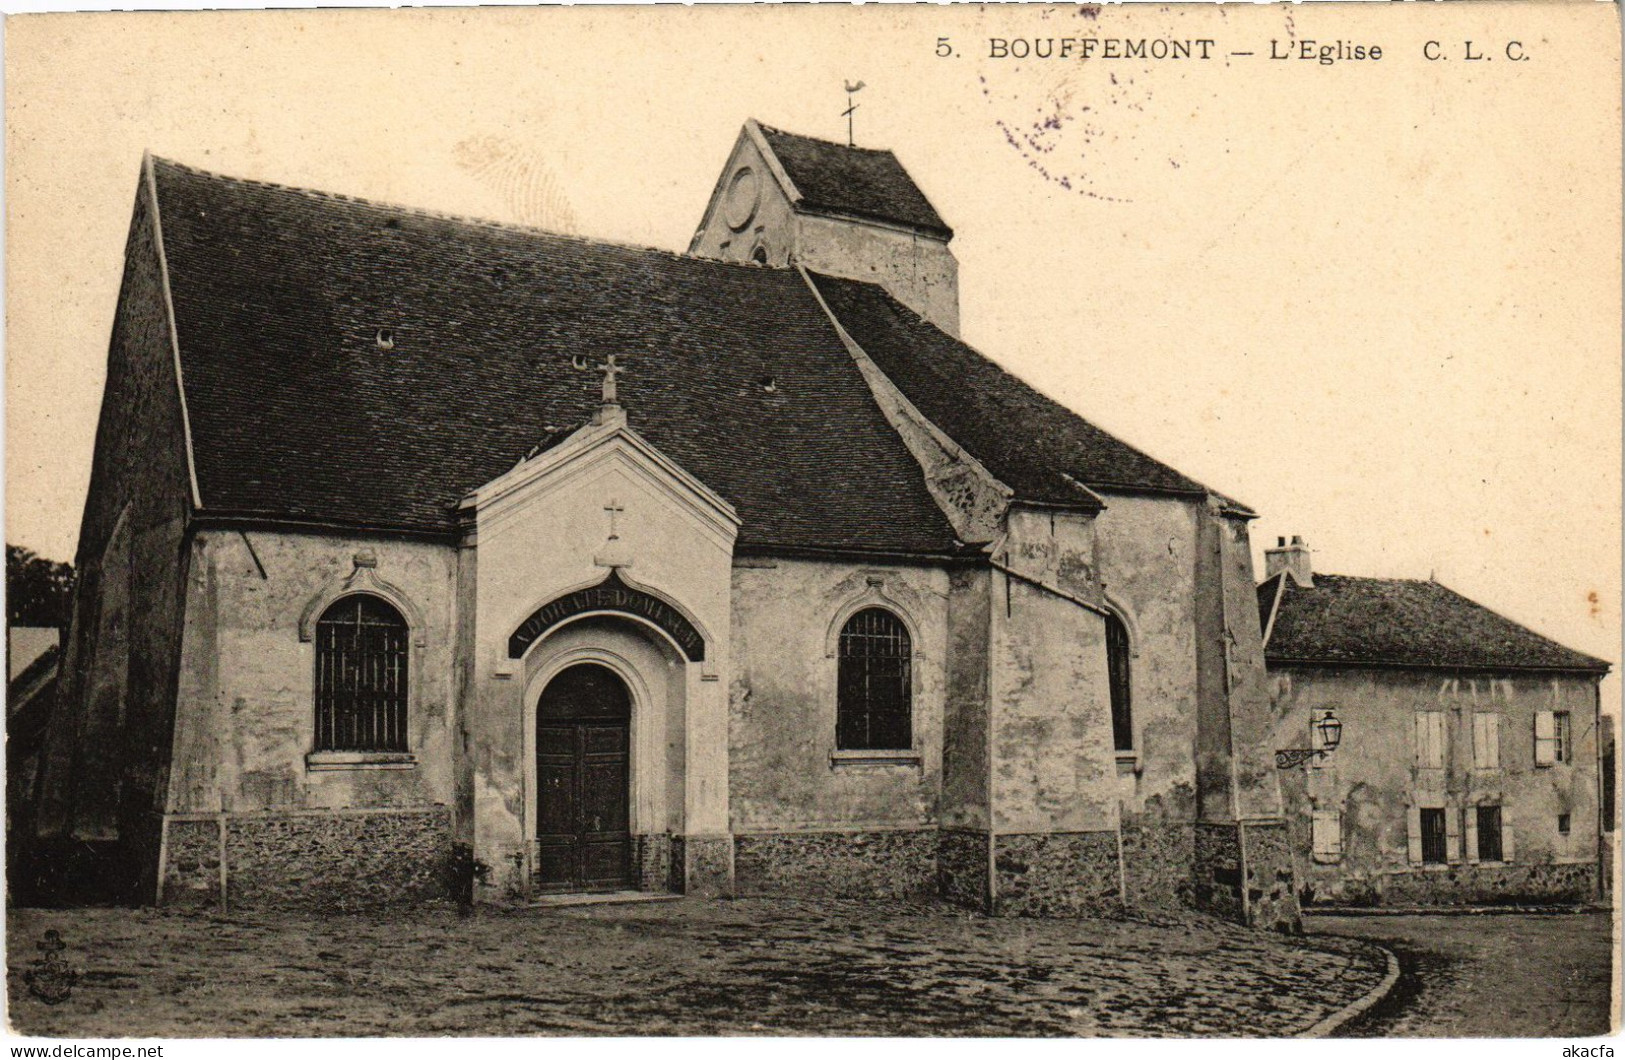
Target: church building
427 557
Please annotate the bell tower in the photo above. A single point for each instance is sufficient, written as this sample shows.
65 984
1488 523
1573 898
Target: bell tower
853 212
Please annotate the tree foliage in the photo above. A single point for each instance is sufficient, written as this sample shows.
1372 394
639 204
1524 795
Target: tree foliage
39 591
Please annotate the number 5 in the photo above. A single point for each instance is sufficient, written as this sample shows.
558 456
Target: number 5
944 49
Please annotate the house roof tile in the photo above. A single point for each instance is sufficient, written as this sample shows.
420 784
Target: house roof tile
1343 621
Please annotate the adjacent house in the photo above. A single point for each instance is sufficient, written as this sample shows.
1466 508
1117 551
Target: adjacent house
1468 765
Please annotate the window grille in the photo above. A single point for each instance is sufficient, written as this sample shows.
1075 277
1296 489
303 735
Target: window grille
1434 847
361 676
1489 833
873 698
1117 666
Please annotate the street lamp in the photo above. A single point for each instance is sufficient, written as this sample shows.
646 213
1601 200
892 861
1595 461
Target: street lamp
1330 732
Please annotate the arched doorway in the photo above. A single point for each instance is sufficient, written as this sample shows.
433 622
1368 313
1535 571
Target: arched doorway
583 832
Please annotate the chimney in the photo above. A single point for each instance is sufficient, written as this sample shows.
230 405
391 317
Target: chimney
1293 558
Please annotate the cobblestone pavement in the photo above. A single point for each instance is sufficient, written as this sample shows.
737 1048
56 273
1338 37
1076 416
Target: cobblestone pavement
753 966
1496 976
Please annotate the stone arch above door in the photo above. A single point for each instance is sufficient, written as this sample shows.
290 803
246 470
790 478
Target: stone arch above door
613 596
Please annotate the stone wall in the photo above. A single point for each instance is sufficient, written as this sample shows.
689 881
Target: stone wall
326 862
653 854
1464 885
108 746
963 869
890 864
1159 863
702 866
192 864
1057 874
1272 901
1218 881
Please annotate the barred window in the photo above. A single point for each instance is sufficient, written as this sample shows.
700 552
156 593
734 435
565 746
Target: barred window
1489 833
361 676
873 692
1117 666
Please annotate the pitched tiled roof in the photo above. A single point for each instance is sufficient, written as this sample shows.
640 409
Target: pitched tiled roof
854 180
1036 446
1395 622
298 412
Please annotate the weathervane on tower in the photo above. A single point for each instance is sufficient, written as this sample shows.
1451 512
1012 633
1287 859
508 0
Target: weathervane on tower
851 89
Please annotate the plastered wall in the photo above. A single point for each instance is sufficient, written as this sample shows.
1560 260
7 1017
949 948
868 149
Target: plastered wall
1374 778
782 698
246 703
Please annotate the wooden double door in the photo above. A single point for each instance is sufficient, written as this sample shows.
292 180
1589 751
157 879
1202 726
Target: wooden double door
583 780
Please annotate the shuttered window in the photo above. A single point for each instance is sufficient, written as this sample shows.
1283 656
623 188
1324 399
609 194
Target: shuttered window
1326 835
873 695
1430 739
1552 737
361 645
1486 741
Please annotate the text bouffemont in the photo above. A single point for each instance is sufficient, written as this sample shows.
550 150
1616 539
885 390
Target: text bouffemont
1099 48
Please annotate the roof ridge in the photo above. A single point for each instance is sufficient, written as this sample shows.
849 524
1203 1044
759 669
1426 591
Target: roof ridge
1375 578
456 218
820 140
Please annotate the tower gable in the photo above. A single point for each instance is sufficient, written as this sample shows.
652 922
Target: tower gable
845 211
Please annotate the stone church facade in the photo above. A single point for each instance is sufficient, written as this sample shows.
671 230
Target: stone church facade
431 557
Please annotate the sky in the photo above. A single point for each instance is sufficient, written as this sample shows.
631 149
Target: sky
1376 300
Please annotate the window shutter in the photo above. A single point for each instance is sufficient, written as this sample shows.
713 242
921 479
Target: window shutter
1487 741
1452 834
1506 838
1472 834
1430 739
1545 737
1413 832
1326 827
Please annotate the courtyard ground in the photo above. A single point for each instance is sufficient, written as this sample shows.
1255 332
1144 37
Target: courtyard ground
750 966
1518 975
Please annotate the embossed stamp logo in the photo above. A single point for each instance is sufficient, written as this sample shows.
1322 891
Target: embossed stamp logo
50 979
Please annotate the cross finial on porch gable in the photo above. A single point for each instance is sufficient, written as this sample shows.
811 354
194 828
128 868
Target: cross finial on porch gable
611 368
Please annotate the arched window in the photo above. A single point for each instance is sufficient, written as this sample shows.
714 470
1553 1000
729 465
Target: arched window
1117 667
361 676
873 687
